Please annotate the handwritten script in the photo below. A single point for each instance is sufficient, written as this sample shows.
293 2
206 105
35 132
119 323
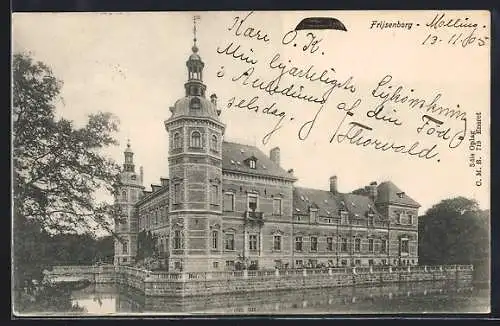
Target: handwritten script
364 112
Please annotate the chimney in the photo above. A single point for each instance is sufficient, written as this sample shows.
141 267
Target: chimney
141 171
372 188
213 99
333 184
274 155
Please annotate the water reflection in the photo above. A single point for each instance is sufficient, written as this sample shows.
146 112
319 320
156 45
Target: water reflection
422 297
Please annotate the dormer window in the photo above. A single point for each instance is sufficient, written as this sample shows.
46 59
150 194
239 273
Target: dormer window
252 164
313 215
195 102
344 217
371 218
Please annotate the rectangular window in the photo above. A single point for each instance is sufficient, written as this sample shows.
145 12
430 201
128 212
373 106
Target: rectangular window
299 263
383 245
370 245
216 264
252 242
343 262
214 195
277 206
370 262
229 264
343 244
177 240
125 247
405 246
357 244
215 239
277 242
252 202
410 219
357 262
329 243
229 241
177 193
229 202
314 244
298 243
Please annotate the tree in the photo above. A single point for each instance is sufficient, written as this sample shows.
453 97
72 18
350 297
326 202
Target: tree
454 231
57 167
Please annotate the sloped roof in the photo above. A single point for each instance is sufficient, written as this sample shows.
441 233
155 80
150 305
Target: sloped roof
327 203
234 156
182 108
359 205
388 192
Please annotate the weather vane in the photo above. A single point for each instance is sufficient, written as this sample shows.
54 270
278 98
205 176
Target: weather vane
195 18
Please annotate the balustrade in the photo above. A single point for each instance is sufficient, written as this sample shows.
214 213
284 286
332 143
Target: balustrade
142 274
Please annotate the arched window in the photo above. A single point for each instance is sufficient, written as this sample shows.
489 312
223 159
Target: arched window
213 143
124 195
196 139
177 140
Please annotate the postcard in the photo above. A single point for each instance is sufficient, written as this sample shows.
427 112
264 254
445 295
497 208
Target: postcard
251 162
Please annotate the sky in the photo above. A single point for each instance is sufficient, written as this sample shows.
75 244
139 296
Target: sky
133 65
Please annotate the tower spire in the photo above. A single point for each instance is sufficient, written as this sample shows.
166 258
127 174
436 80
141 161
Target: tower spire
128 165
195 48
194 85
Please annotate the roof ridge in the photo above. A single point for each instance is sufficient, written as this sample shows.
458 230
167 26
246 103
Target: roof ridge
309 188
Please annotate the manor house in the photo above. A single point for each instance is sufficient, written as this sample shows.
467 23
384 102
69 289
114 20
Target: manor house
226 205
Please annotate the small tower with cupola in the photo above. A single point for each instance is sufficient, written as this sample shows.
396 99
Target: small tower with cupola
195 163
128 193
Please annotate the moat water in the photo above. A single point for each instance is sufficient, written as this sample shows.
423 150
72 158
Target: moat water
408 298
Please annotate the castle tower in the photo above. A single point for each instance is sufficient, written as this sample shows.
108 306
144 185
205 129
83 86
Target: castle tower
128 194
195 163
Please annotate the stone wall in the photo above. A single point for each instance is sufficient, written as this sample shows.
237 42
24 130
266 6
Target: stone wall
202 283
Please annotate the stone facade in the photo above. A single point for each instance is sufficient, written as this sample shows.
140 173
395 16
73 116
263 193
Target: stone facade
128 193
227 206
